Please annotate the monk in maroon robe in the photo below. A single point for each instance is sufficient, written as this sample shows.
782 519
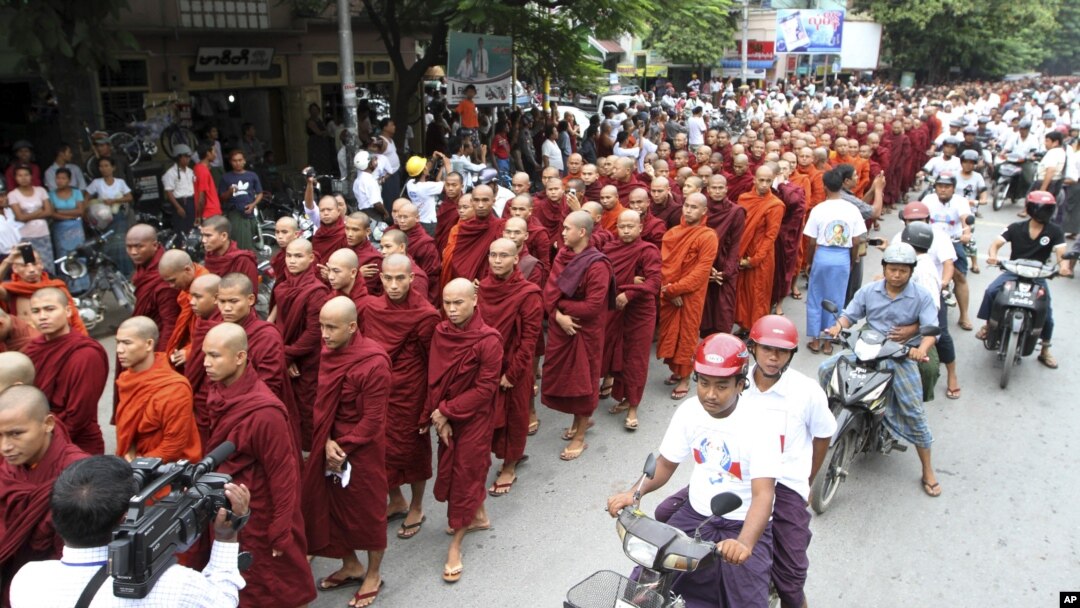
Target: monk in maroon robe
245 412
899 152
71 369
664 205
358 238
222 254
728 220
26 477
624 180
463 376
539 244
532 268
15 333
629 331
741 179
342 272
153 297
297 317
402 321
652 227
446 215
204 292
551 209
395 241
515 307
330 235
786 249
600 238
421 246
469 257
578 295
350 445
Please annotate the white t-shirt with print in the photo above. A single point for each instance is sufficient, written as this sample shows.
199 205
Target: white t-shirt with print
948 217
941 251
727 453
834 222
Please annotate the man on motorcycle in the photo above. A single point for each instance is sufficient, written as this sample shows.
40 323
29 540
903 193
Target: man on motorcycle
893 306
734 449
1032 239
948 214
799 411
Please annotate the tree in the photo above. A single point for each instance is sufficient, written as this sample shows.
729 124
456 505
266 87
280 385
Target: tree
64 41
695 32
1064 57
988 38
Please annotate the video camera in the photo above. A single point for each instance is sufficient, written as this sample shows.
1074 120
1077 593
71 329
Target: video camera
158 525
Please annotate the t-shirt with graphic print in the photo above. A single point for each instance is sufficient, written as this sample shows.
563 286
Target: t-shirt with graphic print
247 188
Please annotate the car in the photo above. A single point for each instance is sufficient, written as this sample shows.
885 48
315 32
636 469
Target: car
581 117
614 100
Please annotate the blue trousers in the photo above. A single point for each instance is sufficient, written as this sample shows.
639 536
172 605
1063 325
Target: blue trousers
994 289
828 281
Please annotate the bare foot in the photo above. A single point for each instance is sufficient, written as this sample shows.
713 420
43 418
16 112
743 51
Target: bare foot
477 525
343 577
397 506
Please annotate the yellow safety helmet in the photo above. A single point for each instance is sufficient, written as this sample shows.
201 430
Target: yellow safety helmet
415 165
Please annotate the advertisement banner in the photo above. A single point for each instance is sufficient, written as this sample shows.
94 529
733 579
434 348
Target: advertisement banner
809 31
484 61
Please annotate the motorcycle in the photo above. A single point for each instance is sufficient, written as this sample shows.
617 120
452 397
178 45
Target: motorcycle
105 277
1009 184
858 393
662 551
1019 311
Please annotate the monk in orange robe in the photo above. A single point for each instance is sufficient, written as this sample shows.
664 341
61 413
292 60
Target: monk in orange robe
686 260
757 259
178 271
154 417
465 212
25 280
609 200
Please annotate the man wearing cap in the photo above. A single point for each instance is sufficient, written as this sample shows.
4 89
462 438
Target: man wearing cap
24 154
103 149
366 188
63 161
948 214
179 185
946 163
423 190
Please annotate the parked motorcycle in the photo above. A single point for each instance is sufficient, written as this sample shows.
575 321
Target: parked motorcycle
1009 184
858 393
662 551
1019 311
105 277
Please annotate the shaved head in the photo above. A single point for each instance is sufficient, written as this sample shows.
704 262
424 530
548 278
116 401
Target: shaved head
51 294
396 262
227 336
360 217
344 257
218 223
141 233
287 222
27 399
462 287
339 308
15 368
173 261
581 219
300 246
238 281
143 327
630 216
208 283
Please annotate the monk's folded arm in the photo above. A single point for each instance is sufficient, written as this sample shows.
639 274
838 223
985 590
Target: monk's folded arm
594 306
698 274
650 259
465 405
373 395
310 341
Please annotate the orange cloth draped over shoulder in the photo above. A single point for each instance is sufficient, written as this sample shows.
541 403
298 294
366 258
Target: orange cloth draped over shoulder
686 260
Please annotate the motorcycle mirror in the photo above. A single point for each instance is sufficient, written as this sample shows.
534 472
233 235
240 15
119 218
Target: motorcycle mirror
724 503
650 466
932 330
829 306
875 242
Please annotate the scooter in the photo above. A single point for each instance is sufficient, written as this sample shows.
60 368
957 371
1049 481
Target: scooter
90 259
1019 311
662 551
1009 184
858 393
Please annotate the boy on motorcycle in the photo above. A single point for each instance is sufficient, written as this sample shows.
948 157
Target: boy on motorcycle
734 449
799 412
893 306
1032 239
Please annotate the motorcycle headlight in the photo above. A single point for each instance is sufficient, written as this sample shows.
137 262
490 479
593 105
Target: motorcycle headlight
834 381
876 393
642 552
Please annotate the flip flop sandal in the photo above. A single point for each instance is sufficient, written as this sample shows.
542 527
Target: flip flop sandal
975 269
495 487
618 408
982 333
631 425
796 295
952 393
452 575
404 530
672 380
827 349
965 326
335 583
678 395
569 455
397 516
533 427
1048 361
567 435
933 490
371 595
814 349
471 529
605 391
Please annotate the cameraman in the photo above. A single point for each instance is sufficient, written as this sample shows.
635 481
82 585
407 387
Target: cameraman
89 499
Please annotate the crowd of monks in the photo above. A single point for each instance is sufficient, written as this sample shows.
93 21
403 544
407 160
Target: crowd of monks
369 354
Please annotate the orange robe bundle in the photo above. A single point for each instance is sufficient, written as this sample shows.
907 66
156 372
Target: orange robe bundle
155 415
610 219
753 295
686 259
185 322
18 288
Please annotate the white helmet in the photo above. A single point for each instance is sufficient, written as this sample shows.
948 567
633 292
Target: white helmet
900 253
362 160
99 216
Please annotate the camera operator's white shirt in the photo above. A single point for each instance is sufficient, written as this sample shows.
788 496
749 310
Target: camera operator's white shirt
59 583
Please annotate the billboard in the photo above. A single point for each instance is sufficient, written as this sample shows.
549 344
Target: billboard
862 45
483 61
809 31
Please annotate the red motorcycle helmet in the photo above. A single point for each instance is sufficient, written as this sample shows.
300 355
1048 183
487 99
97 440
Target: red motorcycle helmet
775 331
916 210
1041 205
721 356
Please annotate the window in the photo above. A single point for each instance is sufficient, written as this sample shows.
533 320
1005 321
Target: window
123 91
225 14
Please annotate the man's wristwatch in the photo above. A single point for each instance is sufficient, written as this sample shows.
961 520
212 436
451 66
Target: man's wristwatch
238 521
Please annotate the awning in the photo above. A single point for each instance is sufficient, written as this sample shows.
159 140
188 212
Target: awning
752 64
606 47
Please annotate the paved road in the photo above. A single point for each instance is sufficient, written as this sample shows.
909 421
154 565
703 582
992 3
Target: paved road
1003 533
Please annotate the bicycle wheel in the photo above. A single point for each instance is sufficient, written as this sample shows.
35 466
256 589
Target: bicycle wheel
128 145
174 136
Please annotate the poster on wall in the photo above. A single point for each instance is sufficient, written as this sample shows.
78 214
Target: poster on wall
809 31
484 61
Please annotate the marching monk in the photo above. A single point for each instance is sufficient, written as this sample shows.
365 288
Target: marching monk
686 262
623 178
465 212
342 271
786 252
222 254
757 262
515 307
468 259
245 412
154 416
629 331
178 271
15 368
204 292
26 279
446 211
463 376
609 200
15 333
344 482
35 450
395 241
358 238
330 235
552 208
741 179
421 246
652 227
539 244
664 206
534 270
577 297
71 369
728 220
402 321
153 297
599 238
296 316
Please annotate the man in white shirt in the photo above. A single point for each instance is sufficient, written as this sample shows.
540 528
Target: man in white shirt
366 188
733 449
179 185
948 214
946 162
9 226
424 193
798 412
695 128
82 496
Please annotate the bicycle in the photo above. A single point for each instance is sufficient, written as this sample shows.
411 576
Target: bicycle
122 143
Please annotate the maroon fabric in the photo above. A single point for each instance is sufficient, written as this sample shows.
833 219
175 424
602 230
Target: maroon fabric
592 191
551 215
670 214
899 148
254 420
71 371
728 220
234 260
446 217
26 529
787 241
196 374
358 292
404 329
469 258
600 238
572 363
515 307
628 333
538 242
299 301
266 355
366 253
350 409
537 273
463 376
653 229
625 188
155 299
328 239
422 250
737 185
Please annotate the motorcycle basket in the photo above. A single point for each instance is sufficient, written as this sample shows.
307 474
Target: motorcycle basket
607 589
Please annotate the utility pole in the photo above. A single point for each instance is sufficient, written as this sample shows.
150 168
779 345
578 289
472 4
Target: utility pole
348 83
745 37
